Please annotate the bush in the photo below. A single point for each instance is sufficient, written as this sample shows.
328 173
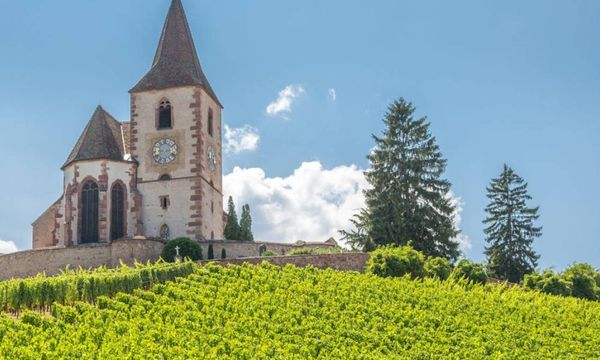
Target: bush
396 262
438 268
470 271
583 279
223 254
187 248
211 252
548 282
268 253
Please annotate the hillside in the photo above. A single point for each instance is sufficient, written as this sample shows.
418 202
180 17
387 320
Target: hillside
265 311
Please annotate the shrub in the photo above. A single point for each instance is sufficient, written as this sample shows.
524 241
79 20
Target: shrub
187 248
438 268
211 252
548 282
470 271
396 262
223 254
268 253
583 279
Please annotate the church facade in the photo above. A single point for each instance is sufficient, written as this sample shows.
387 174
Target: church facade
158 175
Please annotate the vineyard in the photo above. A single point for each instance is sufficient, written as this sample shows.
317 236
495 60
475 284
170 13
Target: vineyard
264 311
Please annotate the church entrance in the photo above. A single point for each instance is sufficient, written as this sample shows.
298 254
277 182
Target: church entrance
89 213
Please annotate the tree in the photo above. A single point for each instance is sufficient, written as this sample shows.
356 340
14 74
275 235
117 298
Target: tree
232 228
408 199
246 224
211 252
510 228
186 248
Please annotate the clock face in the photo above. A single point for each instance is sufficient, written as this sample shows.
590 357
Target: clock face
212 160
164 151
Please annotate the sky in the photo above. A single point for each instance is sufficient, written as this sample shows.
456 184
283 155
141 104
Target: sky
304 84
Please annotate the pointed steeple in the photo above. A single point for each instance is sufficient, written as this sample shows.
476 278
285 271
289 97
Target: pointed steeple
176 62
102 138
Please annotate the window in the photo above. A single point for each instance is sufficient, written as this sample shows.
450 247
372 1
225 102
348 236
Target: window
164 177
165 232
165 115
212 235
210 122
164 202
212 207
117 212
89 213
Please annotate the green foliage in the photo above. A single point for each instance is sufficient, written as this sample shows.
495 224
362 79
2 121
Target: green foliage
41 292
188 248
223 253
391 261
510 228
469 271
408 197
579 280
211 252
232 229
246 224
269 312
437 267
268 253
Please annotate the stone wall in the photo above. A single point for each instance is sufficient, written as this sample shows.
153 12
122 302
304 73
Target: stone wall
341 261
242 249
52 261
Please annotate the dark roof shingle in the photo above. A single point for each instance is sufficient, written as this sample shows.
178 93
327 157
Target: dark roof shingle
102 138
176 62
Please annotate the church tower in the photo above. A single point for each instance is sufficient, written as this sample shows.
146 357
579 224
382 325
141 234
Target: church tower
175 138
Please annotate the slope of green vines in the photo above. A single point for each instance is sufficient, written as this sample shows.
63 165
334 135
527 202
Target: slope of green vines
267 312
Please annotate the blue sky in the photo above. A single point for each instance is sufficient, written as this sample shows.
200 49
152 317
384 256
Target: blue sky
511 81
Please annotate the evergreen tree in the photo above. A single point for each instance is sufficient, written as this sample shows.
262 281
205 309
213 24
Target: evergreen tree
510 228
211 252
232 229
408 198
246 224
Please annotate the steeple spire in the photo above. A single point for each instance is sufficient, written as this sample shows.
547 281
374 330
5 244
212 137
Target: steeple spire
176 62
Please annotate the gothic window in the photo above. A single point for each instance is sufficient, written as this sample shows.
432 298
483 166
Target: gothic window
89 213
165 232
164 177
117 212
165 115
210 122
212 235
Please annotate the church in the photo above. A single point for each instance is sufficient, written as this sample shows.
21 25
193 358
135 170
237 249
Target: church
156 176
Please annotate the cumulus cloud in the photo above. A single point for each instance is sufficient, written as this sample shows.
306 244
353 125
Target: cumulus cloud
311 204
7 247
332 94
285 100
241 139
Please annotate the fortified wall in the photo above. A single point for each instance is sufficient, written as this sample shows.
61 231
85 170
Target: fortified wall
52 260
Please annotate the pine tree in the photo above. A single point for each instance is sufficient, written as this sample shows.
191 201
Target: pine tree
232 228
510 228
246 224
408 199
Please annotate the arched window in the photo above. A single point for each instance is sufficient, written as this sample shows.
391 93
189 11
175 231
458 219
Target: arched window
165 232
89 213
165 116
212 235
210 122
117 212
164 177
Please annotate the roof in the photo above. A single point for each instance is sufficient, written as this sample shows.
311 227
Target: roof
176 62
103 138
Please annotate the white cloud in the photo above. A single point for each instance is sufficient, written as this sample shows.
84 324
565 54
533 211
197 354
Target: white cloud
311 204
284 101
240 139
7 247
464 243
332 94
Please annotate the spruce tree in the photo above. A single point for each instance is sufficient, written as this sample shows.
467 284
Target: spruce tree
246 224
510 228
232 229
408 200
